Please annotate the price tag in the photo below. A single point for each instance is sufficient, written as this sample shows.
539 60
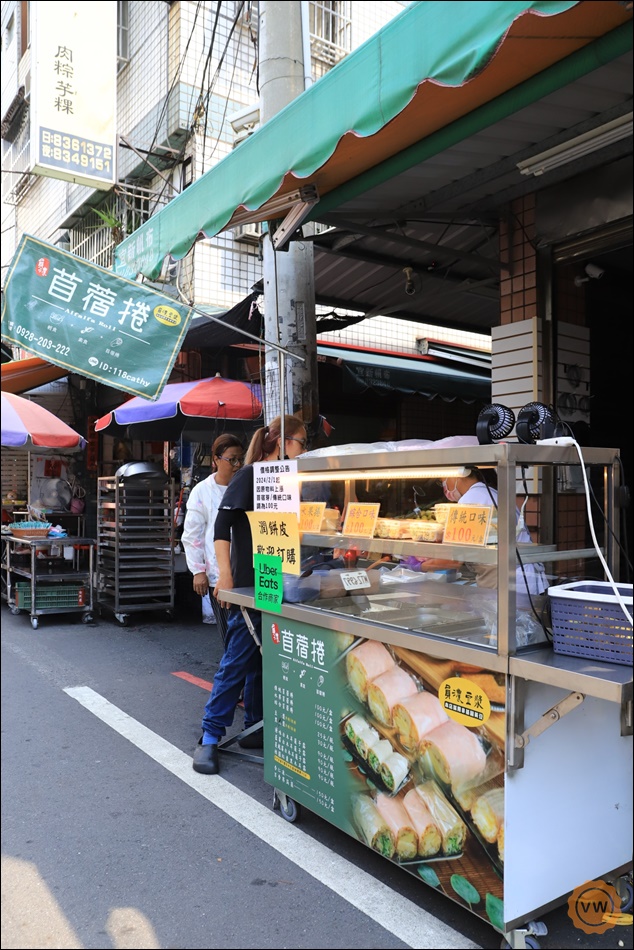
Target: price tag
311 515
468 524
361 519
355 580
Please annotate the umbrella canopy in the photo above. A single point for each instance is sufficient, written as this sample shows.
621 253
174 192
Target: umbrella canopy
184 410
27 425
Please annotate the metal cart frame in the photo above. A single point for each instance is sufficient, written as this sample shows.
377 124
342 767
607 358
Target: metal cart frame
54 580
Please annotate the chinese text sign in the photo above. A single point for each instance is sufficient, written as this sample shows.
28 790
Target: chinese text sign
86 319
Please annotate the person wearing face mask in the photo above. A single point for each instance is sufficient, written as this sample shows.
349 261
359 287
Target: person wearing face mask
241 663
471 489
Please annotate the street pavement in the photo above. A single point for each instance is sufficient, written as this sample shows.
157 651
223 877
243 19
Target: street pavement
110 839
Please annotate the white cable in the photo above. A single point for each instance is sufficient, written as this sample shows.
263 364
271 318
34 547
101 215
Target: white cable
611 580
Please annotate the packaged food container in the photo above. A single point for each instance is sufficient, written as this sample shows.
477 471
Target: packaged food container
387 528
332 517
427 531
442 512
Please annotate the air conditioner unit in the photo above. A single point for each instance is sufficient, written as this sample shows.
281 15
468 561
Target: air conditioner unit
248 233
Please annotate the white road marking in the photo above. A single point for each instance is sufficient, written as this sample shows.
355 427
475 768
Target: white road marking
399 916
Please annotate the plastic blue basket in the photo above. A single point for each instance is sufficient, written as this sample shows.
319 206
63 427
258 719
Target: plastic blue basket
589 622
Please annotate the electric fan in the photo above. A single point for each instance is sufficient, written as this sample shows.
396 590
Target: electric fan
494 422
535 421
55 493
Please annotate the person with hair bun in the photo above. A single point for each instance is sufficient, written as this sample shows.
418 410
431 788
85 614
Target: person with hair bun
241 664
227 456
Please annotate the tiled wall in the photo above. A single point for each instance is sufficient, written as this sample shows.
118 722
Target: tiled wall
518 281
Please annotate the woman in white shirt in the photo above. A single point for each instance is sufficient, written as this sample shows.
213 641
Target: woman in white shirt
227 456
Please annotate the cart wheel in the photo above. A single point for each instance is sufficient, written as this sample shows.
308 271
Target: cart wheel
291 811
122 619
87 618
627 900
34 623
15 611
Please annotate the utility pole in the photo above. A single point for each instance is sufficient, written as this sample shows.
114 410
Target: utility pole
289 282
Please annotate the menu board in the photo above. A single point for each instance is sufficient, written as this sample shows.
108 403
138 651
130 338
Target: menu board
391 746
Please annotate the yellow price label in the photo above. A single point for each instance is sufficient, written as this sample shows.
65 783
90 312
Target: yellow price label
468 524
360 519
311 515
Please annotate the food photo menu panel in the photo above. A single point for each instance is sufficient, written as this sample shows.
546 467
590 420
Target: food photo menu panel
401 750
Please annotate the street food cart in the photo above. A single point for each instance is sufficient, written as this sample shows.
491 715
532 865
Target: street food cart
435 721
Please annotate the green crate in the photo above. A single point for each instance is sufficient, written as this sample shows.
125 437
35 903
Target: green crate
50 595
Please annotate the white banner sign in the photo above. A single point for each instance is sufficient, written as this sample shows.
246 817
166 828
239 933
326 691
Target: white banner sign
74 91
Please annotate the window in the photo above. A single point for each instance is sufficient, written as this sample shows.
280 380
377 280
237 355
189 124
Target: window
123 34
24 27
330 30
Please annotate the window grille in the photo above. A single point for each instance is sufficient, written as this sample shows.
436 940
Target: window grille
95 240
16 163
330 30
123 34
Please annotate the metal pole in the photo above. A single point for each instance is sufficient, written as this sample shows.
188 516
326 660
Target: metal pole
289 286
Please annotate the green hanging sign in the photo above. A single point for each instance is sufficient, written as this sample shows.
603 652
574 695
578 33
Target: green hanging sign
90 321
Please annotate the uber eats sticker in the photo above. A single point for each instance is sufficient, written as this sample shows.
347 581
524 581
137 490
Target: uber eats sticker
268 582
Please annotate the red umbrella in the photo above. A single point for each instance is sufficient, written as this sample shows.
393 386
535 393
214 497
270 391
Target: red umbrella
27 425
184 409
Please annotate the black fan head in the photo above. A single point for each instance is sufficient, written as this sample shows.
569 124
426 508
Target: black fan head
535 421
494 422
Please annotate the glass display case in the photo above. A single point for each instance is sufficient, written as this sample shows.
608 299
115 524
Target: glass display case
388 687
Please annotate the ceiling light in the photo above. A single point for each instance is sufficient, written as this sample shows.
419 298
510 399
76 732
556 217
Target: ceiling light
577 147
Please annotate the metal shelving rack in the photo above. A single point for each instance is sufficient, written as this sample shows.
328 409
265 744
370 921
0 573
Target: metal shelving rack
66 587
135 534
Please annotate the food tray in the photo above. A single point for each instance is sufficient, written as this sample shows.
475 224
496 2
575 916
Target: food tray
50 595
589 622
427 531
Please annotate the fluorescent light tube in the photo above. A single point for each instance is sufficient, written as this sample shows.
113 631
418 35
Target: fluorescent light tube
337 475
577 147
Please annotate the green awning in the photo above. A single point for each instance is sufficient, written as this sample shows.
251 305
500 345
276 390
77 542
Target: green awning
428 67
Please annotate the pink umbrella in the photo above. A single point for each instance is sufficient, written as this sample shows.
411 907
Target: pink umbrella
27 425
184 409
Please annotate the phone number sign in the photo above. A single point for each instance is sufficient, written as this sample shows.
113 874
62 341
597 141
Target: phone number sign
90 321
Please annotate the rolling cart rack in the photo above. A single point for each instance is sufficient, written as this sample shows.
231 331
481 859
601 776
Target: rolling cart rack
135 534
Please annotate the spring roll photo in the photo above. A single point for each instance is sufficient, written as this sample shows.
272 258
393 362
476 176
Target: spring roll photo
388 689
394 770
452 828
488 814
415 716
372 827
455 752
428 839
378 753
353 726
366 738
364 663
393 813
